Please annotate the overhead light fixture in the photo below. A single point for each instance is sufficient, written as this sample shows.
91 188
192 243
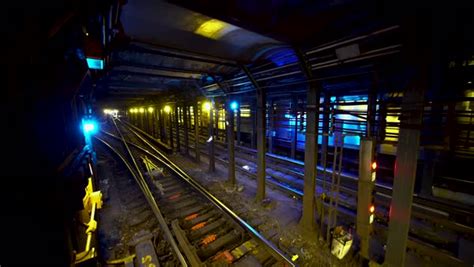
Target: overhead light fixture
234 105
207 106
95 63
214 29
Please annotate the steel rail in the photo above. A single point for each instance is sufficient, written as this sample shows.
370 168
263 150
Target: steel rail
383 191
272 249
149 197
427 249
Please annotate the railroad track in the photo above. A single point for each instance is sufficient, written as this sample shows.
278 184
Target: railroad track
436 217
289 173
139 225
197 226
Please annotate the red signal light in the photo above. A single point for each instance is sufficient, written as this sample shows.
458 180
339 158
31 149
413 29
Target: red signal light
374 165
372 209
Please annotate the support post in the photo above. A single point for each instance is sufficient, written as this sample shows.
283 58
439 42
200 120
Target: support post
210 141
238 126
271 118
311 146
310 158
185 128
261 136
253 114
261 145
216 113
196 132
294 137
170 129
325 139
176 118
230 143
365 194
405 175
371 110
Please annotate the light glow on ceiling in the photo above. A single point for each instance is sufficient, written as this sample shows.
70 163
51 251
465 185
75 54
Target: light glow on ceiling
214 29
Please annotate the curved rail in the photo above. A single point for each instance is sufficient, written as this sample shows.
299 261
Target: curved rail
272 249
151 201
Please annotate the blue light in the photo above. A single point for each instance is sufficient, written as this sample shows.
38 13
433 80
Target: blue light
95 63
89 127
234 105
283 57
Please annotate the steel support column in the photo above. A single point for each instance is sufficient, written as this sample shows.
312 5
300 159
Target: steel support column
325 139
294 137
230 143
196 132
364 195
176 118
405 174
216 113
261 136
311 147
170 129
238 125
310 158
157 123
185 129
271 118
253 114
371 110
210 140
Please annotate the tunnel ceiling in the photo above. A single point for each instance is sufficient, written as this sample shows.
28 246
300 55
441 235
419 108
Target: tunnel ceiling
188 48
173 47
298 22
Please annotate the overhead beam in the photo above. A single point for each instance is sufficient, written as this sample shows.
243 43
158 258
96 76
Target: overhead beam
163 51
133 70
197 71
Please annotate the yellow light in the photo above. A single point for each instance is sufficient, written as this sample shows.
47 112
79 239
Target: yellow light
214 29
207 106
141 110
167 109
374 165
107 111
294 257
150 109
131 110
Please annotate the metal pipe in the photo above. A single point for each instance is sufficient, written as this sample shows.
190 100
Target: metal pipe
329 45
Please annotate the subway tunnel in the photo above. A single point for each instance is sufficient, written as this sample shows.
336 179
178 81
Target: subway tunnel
247 133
